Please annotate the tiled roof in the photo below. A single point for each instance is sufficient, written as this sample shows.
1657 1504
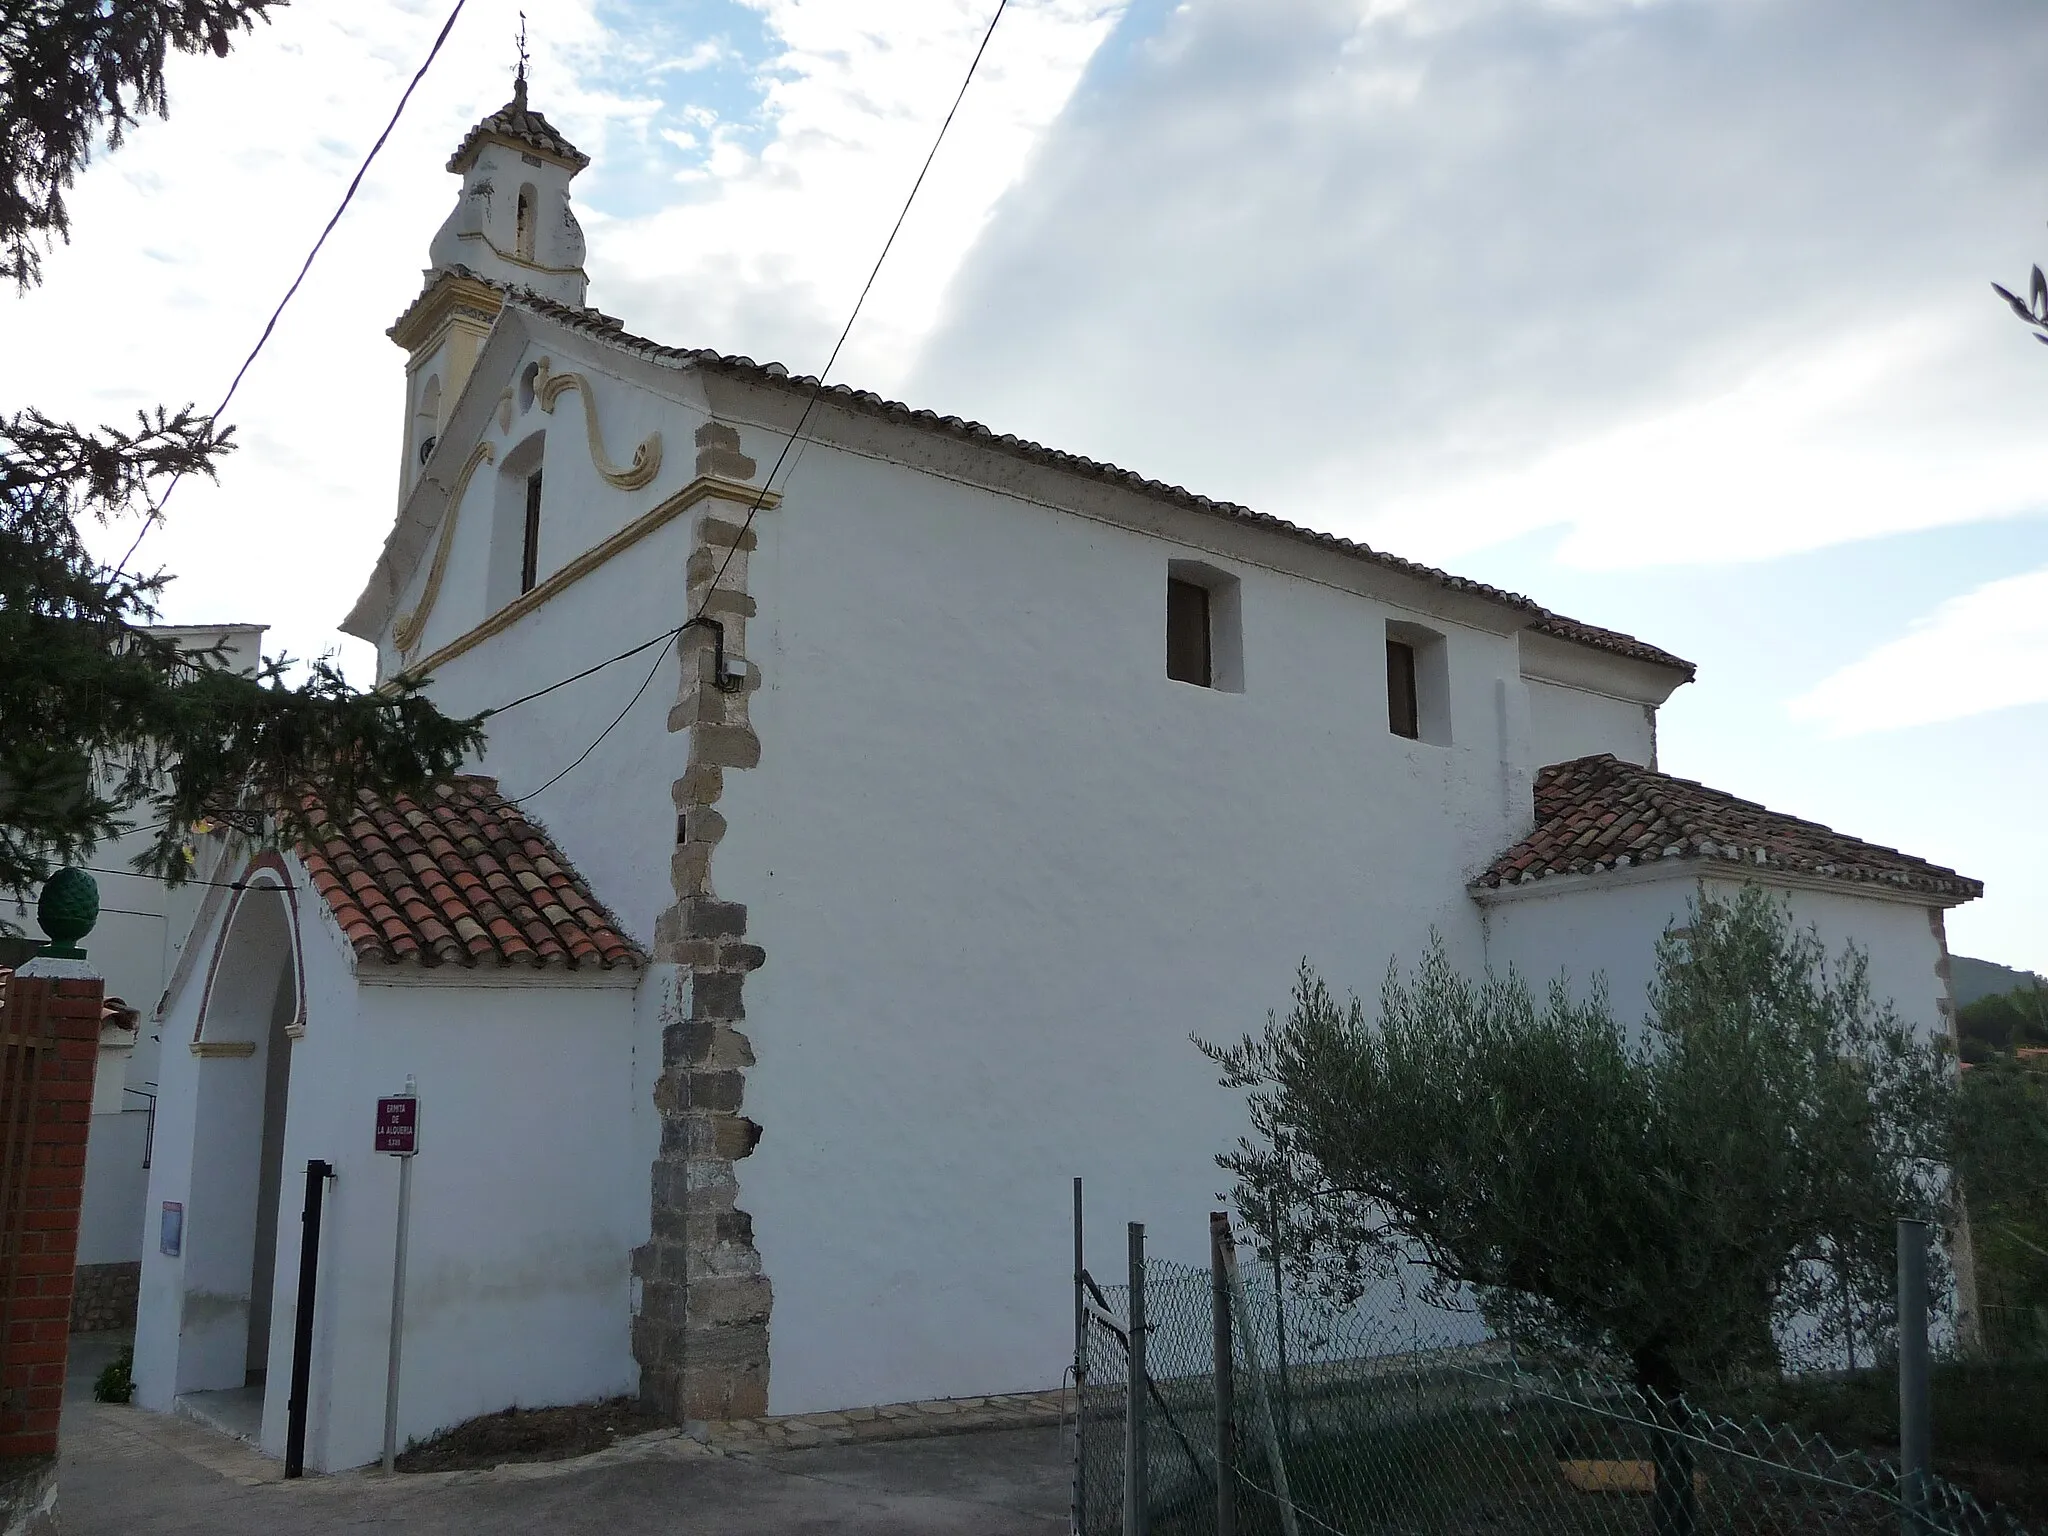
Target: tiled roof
1599 813
458 877
1580 633
592 322
516 122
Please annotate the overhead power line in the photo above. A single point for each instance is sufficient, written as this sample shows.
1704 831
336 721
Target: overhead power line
584 755
224 885
817 389
304 267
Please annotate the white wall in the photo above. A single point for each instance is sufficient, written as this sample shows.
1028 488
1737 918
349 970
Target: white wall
1002 867
1610 925
116 1183
525 1207
1566 722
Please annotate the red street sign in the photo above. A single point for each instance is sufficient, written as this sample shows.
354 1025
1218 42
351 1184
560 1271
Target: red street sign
398 1125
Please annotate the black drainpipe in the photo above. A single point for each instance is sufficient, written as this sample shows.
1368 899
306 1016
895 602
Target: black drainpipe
317 1175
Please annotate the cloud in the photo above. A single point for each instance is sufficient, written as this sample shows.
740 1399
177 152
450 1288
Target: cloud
702 55
1985 650
1693 281
793 196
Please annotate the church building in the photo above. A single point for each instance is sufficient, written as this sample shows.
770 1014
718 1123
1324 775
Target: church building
763 989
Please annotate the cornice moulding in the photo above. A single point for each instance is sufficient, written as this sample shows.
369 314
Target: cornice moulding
704 488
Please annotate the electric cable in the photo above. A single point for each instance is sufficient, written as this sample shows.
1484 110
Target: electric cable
225 885
577 677
817 389
156 512
584 755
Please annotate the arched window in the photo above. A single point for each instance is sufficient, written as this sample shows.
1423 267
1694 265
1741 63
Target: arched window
426 420
522 240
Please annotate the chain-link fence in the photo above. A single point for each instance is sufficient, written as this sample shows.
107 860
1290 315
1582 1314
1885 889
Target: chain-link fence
1396 1416
2014 1333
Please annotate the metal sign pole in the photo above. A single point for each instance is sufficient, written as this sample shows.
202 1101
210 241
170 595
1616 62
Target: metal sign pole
398 1133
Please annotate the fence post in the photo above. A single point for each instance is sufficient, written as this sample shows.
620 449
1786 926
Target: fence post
1916 1425
1276 1459
1280 1329
1136 1513
1080 1376
1226 1427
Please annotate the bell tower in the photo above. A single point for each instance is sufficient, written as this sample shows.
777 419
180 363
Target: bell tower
511 228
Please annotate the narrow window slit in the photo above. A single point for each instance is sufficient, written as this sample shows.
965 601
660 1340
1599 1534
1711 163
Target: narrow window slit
1403 717
529 549
1187 633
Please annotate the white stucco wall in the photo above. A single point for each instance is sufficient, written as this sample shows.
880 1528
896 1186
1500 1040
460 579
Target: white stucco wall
116 1183
1566 722
1610 925
1002 867
522 1224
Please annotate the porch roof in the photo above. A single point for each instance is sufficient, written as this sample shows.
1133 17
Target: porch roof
458 876
1599 813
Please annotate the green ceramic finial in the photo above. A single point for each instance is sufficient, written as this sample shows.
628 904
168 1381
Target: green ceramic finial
70 905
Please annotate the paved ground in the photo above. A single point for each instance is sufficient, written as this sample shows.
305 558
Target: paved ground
137 1474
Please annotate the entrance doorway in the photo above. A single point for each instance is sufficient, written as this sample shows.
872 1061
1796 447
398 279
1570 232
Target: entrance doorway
232 1220
277 1076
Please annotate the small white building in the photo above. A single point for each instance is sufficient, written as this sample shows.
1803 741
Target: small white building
886 903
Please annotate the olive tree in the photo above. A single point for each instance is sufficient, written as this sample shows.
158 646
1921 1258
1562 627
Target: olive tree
1659 1196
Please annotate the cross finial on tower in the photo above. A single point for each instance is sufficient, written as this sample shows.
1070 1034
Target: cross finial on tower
519 79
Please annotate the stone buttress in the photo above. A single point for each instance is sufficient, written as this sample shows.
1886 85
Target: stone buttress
701 1336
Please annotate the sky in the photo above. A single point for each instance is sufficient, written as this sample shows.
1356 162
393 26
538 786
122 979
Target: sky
1673 314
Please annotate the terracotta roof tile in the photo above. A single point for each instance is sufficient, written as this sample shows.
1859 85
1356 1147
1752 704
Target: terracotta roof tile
521 125
1599 813
595 323
459 877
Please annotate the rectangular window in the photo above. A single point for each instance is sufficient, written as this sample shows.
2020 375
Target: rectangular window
1187 632
529 549
1403 719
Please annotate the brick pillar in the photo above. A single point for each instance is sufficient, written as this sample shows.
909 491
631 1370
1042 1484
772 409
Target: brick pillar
49 1046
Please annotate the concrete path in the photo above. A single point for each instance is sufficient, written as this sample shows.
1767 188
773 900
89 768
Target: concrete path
124 1472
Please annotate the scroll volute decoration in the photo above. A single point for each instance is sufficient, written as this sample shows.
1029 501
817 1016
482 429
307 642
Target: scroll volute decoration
406 632
549 386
